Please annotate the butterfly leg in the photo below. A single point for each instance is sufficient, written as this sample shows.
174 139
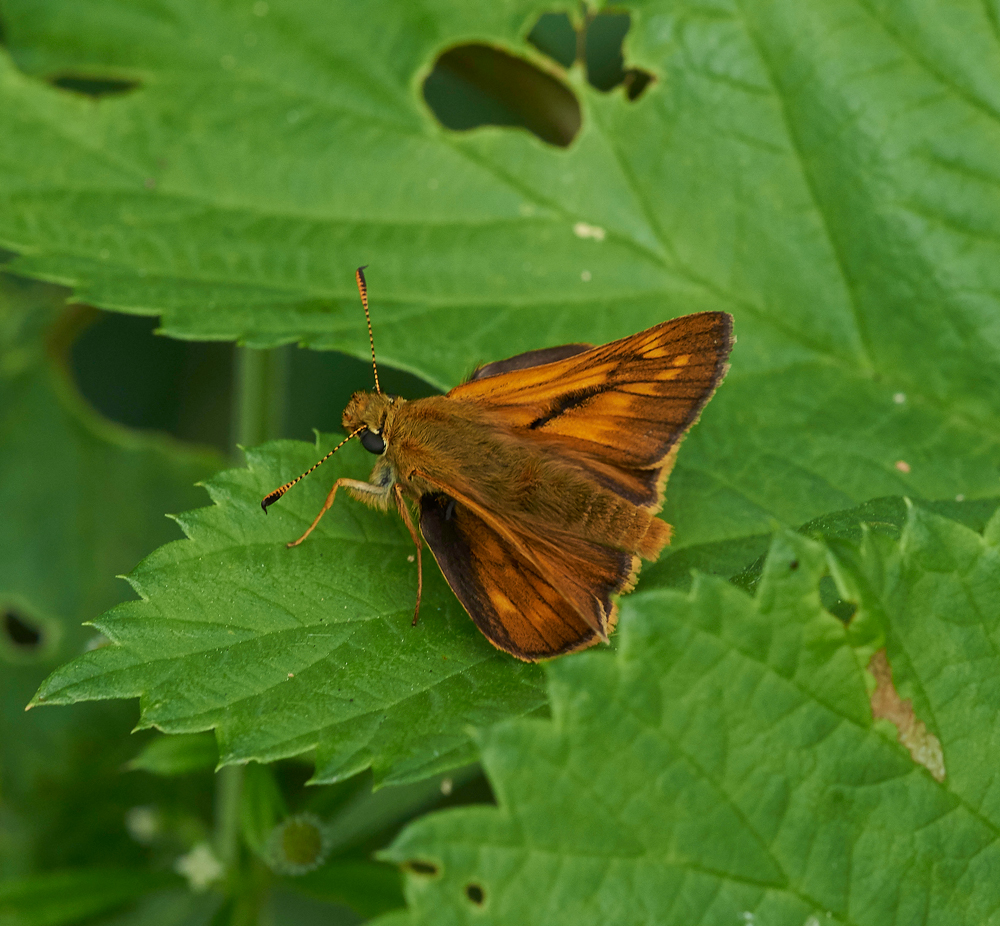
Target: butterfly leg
404 513
364 490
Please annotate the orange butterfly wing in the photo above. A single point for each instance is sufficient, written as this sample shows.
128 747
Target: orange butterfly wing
619 409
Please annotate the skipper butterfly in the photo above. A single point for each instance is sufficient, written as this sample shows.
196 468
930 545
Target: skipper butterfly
537 482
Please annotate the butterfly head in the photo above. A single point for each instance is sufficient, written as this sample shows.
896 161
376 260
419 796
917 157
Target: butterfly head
372 413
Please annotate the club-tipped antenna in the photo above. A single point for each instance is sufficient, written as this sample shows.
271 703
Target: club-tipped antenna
272 497
363 289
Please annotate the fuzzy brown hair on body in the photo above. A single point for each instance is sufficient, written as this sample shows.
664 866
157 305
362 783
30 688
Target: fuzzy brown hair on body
538 481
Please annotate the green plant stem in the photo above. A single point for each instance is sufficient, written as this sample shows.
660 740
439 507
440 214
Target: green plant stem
228 801
260 396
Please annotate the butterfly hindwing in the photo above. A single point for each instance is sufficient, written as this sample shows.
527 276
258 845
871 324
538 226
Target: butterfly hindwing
511 602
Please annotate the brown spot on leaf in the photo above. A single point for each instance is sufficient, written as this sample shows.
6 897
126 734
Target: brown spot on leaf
924 746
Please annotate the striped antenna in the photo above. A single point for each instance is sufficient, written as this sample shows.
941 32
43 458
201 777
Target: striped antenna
363 289
272 497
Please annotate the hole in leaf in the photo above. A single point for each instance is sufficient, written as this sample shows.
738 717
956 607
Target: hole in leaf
94 87
635 81
422 868
476 894
555 36
602 48
599 44
21 632
475 85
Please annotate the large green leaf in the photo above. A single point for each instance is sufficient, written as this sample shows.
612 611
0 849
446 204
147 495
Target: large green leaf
284 651
82 499
825 171
724 765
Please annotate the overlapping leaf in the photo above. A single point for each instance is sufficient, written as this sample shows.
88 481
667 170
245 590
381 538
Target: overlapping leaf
724 766
284 651
825 171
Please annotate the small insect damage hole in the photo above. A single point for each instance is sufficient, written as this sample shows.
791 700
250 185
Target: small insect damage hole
474 85
598 43
924 747
21 632
93 86
418 867
475 893
605 59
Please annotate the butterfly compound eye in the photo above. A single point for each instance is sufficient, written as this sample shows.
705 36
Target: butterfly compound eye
372 442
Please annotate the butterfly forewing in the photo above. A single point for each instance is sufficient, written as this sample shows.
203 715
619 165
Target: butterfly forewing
625 403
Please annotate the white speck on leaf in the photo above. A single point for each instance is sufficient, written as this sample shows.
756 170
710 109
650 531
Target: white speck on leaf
585 276
903 466
583 230
446 786
899 398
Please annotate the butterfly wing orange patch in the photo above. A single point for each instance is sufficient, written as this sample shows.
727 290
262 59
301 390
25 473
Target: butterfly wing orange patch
620 408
